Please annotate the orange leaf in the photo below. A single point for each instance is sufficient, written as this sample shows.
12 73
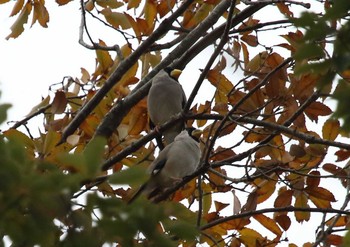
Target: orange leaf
320 203
268 223
284 221
203 108
316 109
284 199
17 27
335 240
104 60
63 2
109 3
17 7
320 193
138 120
330 129
284 9
219 81
59 103
222 154
341 221
164 7
220 206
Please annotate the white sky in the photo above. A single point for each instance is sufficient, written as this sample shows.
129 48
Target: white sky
40 57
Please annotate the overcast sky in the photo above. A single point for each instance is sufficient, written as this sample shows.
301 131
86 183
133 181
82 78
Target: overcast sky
43 56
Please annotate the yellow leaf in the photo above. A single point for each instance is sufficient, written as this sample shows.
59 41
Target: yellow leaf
17 7
39 106
104 60
256 63
268 223
109 3
330 129
116 19
17 27
250 237
150 11
134 26
19 137
40 13
219 81
200 15
301 202
50 141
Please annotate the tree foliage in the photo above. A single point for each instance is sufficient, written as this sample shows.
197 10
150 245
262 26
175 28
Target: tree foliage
273 143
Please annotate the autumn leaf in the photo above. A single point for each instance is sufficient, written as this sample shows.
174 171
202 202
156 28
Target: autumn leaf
284 221
301 201
17 7
268 223
284 199
330 129
40 13
59 103
116 19
317 109
17 27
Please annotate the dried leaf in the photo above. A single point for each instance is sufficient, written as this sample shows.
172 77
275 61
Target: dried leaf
17 7
251 40
237 207
317 109
284 199
219 81
63 2
330 129
301 202
220 206
312 181
17 27
320 193
342 154
40 13
164 7
200 15
150 11
268 223
116 19
284 221
59 103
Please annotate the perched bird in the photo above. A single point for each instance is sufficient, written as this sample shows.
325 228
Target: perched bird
176 161
166 98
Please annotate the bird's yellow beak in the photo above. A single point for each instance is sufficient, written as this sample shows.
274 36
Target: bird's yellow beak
175 73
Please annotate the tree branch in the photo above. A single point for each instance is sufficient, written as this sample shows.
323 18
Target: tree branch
121 70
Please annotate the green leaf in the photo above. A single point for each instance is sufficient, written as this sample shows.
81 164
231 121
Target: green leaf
3 112
135 175
93 154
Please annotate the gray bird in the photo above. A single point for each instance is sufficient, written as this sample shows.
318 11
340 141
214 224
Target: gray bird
176 161
166 98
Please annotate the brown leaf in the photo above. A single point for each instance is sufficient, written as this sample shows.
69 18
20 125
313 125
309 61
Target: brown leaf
133 4
284 9
59 103
330 129
220 206
313 182
342 154
222 154
251 202
317 109
284 199
40 13
251 40
335 240
199 15
63 2
164 7
297 151
320 193
284 221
